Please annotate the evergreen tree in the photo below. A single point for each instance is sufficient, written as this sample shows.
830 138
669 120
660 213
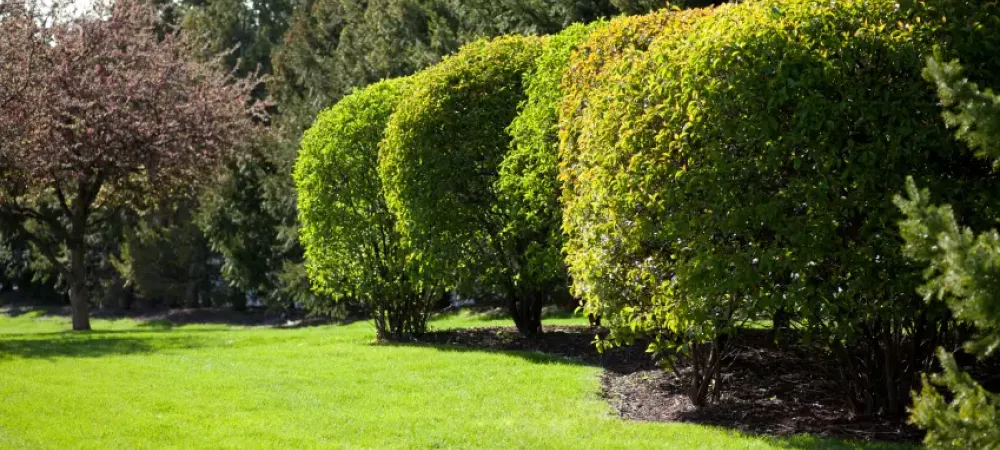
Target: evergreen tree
334 46
245 31
963 270
248 214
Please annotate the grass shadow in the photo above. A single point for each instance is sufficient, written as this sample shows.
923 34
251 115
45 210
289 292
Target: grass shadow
95 344
156 324
168 318
532 356
558 344
808 441
486 314
35 311
573 345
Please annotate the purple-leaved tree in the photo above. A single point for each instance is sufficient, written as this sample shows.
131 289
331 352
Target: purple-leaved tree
101 113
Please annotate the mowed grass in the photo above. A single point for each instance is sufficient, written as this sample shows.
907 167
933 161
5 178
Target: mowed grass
133 385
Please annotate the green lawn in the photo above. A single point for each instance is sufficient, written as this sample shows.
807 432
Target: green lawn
131 385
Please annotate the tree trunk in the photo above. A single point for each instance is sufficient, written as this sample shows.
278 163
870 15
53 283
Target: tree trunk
780 324
78 295
238 300
526 310
79 298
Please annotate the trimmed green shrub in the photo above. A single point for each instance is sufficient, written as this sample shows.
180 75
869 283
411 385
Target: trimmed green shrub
441 160
744 166
605 274
352 248
528 182
595 65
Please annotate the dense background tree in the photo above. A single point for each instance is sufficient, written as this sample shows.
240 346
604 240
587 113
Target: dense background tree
165 258
241 222
247 213
245 32
962 271
648 6
27 272
107 111
333 46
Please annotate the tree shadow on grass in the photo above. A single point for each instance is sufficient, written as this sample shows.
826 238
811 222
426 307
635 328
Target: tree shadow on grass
96 344
167 318
532 356
497 313
562 344
807 441
632 366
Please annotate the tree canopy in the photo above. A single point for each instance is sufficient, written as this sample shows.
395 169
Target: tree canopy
107 112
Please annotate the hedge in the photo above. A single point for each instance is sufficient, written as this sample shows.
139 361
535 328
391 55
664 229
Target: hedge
441 158
352 248
744 164
528 182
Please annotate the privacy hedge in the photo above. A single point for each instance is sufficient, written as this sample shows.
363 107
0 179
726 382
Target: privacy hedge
744 164
441 159
352 248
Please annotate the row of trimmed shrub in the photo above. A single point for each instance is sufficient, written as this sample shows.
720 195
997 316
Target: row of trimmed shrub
693 170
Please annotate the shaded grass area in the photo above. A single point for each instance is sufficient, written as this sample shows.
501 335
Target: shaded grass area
768 388
135 385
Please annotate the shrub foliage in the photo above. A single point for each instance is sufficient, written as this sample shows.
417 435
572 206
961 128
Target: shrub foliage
596 261
353 249
441 160
528 182
742 166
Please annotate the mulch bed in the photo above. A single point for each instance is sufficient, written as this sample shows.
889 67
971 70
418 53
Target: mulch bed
767 389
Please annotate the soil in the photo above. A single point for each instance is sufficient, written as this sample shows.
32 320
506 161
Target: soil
766 388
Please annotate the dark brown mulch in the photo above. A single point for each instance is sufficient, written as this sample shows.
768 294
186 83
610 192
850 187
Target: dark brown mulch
766 388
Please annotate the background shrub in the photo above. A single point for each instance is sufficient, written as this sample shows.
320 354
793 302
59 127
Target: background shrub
353 250
441 161
744 167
